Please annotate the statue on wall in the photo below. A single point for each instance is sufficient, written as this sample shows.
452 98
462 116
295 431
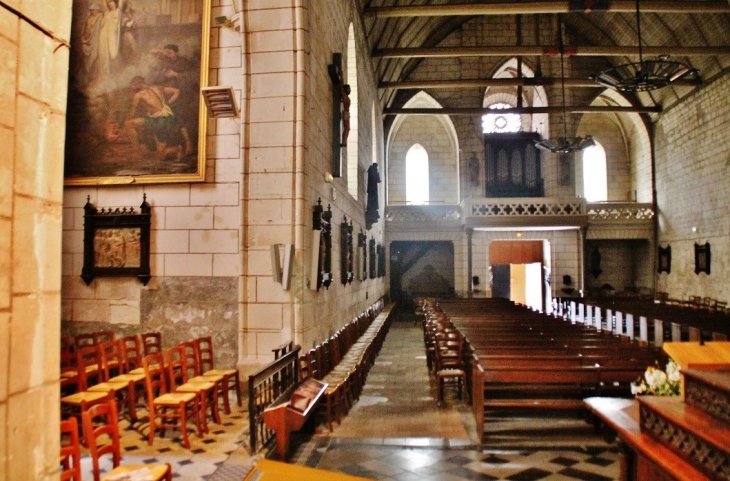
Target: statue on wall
345 111
372 213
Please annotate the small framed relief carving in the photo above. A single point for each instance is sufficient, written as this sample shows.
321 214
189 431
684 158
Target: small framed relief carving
117 242
665 259
702 258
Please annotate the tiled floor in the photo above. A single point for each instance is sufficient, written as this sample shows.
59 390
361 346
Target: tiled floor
397 432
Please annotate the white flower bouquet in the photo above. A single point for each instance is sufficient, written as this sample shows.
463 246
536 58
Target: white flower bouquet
657 382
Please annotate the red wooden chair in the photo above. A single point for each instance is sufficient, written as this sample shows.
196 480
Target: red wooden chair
231 379
168 409
103 438
70 450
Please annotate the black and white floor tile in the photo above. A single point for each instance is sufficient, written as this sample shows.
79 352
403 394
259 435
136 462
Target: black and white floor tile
383 459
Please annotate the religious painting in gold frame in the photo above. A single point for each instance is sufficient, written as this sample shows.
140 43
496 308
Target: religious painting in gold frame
135 113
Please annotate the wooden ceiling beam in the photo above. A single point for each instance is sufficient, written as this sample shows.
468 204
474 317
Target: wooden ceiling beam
557 6
504 82
537 51
521 110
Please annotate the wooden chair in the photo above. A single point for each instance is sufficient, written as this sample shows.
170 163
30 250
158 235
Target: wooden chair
333 395
231 379
166 409
70 450
177 375
132 354
83 339
102 336
69 373
449 366
68 357
151 343
125 385
103 438
88 373
195 372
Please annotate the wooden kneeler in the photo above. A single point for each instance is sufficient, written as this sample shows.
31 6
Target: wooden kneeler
291 411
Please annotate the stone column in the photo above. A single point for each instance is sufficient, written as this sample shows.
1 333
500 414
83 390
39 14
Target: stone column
34 53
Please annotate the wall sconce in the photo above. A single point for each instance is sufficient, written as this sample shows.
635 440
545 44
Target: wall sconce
221 101
694 228
233 21
328 177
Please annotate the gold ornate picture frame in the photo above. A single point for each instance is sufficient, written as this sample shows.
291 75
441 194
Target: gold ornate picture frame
135 113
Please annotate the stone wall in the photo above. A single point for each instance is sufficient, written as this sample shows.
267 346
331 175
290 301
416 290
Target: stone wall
692 162
320 313
182 308
624 266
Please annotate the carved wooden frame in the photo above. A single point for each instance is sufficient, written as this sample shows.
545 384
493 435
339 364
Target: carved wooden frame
702 258
110 235
665 259
347 255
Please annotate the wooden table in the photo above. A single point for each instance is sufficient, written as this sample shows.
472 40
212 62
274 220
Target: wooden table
695 355
267 470
642 458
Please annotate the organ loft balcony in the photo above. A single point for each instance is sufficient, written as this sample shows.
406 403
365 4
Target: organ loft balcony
602 219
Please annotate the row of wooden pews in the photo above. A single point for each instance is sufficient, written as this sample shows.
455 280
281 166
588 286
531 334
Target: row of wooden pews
522 360
647 320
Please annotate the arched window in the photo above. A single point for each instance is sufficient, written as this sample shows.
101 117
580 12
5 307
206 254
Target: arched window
595 178
493 123
417 175
352 150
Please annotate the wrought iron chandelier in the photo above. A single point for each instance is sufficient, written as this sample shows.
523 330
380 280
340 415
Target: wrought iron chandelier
564 144
644 75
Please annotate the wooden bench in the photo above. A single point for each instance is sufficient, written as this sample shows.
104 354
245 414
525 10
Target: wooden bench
291 410
527 361
544 387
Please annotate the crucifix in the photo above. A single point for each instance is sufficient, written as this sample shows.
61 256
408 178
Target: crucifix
340 112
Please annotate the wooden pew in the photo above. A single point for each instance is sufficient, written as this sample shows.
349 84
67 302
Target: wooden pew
528 361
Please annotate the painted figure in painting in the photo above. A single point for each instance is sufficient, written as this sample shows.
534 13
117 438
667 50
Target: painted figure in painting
90 39
109 35
178 72
151 114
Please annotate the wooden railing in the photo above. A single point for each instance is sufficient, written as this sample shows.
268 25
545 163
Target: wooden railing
265 387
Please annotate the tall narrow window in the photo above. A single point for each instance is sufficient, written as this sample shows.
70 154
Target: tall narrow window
417 175
352 150
595 178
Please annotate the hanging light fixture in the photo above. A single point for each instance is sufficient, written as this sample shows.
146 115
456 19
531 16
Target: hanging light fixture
564 145
644 75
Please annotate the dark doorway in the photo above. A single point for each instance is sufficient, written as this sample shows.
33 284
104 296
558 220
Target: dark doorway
501 281
421 268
